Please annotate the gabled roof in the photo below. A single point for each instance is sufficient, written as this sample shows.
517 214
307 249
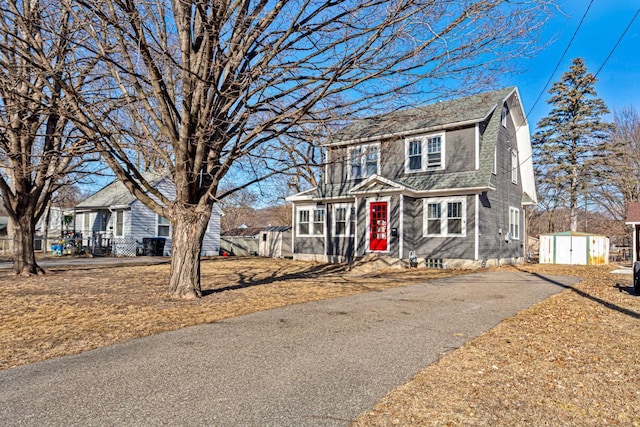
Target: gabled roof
456 112
633 213
116 194
482 108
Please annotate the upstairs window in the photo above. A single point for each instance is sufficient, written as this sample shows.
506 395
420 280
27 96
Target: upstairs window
363 161
514 166
504 115
415 155
424 153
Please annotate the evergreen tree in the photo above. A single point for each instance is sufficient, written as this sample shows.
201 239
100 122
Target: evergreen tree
571 141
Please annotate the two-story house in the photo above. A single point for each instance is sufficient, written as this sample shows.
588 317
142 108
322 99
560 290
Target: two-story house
446 183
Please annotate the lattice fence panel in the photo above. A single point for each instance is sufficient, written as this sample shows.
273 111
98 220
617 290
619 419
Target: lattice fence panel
123 246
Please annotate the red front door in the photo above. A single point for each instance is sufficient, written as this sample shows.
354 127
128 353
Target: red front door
378 226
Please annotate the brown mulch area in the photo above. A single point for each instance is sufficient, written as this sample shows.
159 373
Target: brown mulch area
573 359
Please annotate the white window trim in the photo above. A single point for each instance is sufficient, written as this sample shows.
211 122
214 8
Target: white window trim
349 232
423 142
311 210
514 166
86 222
115 223
494 169
363 160
444 222
163 225
514 213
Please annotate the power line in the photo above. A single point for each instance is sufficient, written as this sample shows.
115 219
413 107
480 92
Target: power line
561 58
618 42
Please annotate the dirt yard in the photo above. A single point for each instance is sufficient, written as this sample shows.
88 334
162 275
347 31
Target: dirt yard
573 359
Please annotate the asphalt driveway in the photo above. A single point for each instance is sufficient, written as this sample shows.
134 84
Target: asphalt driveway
314 364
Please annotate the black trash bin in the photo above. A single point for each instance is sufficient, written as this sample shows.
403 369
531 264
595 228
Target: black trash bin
153 246
159 250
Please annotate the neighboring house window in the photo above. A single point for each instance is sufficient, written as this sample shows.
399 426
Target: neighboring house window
311 222
86 222
514 223
164 227
425 153
444 217
514 166
344 220
119 228
363 161
104 220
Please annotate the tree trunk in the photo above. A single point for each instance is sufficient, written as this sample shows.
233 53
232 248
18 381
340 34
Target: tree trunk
189 226
24 257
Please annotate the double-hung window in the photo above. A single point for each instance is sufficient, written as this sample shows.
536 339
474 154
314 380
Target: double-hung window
363 161
514 166
445 217
514 223
434 152
164 227
119 226
344 221
310 222
424 153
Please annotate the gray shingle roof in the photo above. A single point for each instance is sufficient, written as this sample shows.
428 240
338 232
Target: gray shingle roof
116 194
472 108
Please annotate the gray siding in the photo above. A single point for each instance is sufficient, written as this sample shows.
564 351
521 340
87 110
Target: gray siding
459 156
494 205
444 247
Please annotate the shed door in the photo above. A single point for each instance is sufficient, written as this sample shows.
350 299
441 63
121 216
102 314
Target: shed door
378 226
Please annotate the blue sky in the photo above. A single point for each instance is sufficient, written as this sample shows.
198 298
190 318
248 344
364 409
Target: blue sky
618 82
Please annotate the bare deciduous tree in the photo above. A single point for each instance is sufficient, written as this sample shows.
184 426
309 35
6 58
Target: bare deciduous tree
221 80
619 183
38 146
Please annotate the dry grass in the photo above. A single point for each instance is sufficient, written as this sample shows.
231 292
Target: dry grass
74 310
573 359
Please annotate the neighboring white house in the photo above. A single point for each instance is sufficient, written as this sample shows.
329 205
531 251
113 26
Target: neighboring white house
113 220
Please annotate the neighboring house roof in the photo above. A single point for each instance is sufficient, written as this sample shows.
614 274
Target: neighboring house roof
253 231
456 112
277 228
633 213
116 194
242 232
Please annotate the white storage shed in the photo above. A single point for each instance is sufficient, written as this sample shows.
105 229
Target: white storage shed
574 248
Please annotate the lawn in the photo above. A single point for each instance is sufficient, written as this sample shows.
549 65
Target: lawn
573 359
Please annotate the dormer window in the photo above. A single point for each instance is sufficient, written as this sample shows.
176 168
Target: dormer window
363 161
424 153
